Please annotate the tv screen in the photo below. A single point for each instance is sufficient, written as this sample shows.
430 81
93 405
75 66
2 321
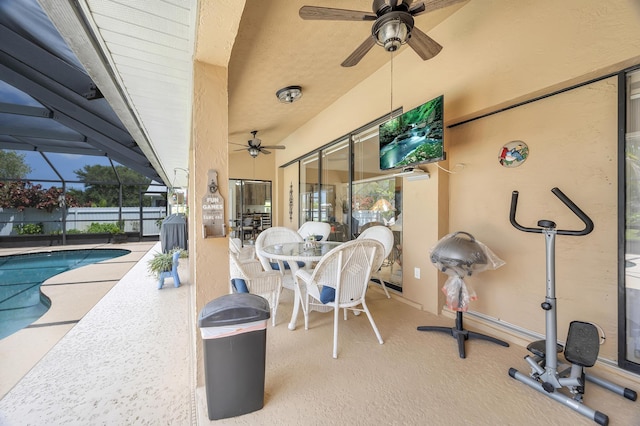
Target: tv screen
414 137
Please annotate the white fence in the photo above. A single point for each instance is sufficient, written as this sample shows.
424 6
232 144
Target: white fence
80 218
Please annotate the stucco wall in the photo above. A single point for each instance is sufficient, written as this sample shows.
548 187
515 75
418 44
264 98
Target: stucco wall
209 257
572 141
243 166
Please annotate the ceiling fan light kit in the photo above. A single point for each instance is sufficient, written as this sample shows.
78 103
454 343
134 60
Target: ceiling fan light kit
392 30
289 94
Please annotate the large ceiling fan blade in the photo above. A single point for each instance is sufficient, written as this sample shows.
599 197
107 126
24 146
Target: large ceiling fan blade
425 46
359 53
407 3
264 151
418 9
431 5
274 147
239 144
317 13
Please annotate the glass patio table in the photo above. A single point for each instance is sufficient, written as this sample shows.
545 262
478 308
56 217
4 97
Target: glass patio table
293 253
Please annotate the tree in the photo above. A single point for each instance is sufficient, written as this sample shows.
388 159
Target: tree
13 165
102 187
24 194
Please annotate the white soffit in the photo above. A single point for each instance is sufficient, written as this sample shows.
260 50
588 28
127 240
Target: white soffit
149 47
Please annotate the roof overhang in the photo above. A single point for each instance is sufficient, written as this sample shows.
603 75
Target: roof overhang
48 102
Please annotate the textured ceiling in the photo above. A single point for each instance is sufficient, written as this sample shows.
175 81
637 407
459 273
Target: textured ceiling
140 55
275 48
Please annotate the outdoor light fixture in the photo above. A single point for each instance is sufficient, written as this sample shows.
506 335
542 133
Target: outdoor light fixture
289 94
392 31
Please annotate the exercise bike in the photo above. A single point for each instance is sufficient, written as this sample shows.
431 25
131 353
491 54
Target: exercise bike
583 340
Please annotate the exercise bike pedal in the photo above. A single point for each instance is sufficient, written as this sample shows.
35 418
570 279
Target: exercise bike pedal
583 344
538 348
548 387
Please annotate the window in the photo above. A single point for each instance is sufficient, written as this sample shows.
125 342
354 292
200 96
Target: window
629 306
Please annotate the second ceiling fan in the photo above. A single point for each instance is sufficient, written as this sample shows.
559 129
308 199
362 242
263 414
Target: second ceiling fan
393 25
254 146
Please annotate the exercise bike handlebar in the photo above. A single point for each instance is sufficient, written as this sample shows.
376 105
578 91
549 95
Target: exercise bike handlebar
567 202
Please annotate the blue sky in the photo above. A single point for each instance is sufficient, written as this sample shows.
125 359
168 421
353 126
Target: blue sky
65 164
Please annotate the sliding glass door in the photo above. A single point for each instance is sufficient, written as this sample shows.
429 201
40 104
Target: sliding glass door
342 184
309 189
377 200
629 324
335 189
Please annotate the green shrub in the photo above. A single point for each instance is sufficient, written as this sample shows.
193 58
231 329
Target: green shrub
100 228
30 229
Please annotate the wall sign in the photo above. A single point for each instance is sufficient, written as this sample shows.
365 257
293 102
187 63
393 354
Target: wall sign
213 224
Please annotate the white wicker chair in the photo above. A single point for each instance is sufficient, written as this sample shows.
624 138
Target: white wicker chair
277 235
385 236
346 269
322 229
267 284
244 253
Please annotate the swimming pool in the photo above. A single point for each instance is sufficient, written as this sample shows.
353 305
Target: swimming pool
21 301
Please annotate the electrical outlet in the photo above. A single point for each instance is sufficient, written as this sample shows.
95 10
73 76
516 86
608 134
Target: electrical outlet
416 273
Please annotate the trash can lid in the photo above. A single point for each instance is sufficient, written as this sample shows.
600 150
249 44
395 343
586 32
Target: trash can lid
236 308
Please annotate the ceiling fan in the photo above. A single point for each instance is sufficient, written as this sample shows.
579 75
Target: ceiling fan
393 25
254 146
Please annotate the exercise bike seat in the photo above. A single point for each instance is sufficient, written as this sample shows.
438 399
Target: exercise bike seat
583 344
539 348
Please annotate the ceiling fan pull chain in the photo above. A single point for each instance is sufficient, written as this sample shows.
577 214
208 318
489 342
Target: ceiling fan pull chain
391 109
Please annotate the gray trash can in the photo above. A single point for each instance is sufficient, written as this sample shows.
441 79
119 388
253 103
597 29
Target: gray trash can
234 334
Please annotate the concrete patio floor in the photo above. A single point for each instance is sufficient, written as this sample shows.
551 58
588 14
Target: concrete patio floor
130 361
111 350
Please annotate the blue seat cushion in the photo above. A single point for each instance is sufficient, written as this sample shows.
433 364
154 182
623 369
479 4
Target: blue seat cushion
276 267
239 285
327 294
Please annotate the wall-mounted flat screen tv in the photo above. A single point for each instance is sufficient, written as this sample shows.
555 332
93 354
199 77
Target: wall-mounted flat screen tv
414 137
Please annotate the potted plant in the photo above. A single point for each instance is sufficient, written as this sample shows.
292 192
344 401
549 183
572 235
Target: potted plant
163 262
118 235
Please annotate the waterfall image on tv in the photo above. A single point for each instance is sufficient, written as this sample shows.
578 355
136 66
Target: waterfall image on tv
414 137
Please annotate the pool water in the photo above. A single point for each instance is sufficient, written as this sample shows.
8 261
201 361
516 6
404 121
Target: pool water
21 301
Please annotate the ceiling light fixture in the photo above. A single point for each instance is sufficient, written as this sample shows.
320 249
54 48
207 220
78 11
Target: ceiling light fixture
393 30
254 152
289 94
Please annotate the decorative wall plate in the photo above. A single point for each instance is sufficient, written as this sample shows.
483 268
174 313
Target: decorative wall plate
291 202
513 153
